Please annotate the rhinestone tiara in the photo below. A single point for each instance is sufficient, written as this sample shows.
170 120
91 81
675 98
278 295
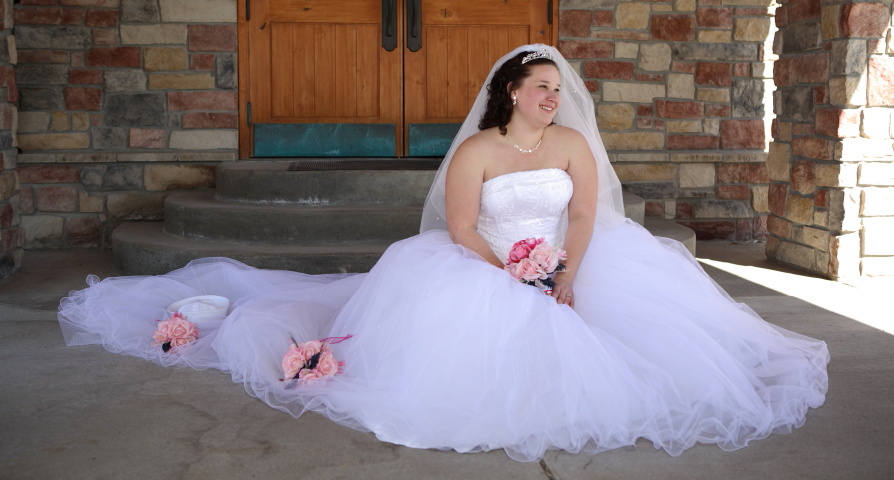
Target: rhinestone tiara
535 55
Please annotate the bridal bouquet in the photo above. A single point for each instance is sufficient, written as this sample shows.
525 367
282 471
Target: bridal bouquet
533 260
174 332
311 360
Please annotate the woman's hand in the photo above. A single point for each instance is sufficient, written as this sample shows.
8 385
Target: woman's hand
562 291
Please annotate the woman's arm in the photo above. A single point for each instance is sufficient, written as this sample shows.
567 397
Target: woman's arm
465 177
581 214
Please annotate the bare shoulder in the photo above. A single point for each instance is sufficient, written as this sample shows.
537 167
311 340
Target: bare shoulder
474 149
568 136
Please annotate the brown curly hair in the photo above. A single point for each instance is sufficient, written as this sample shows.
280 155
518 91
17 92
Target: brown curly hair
508 76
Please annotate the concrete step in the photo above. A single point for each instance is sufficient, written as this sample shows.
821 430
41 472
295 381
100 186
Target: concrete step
199 215
143 248
365 182
662 227
634 207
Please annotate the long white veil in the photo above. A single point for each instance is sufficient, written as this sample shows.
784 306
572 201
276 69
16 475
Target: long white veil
576 111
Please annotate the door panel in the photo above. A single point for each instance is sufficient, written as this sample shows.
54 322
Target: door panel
308 69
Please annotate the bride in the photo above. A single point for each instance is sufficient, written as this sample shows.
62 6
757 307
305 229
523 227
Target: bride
440 346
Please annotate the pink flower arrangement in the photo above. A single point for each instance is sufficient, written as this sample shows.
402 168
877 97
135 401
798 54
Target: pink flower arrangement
533 261
174 332
311 360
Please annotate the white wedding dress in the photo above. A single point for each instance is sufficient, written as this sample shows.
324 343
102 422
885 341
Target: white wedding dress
449 352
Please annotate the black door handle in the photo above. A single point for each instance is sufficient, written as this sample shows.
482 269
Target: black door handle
389 18
414 25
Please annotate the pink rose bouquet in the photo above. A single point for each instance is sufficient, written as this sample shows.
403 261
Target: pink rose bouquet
311 360
174 332
533 261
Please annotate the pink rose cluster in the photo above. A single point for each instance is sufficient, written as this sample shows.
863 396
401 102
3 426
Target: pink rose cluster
311 360
174 332
534 259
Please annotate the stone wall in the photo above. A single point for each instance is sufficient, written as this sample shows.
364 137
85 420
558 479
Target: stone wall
12 236
121 101
831 162
683 89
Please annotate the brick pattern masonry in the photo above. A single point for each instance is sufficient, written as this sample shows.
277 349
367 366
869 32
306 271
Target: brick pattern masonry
12 235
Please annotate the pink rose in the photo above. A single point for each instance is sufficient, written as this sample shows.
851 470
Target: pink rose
293 361
522 248
328 365
161 334
182 329
546 257
529 271
309 349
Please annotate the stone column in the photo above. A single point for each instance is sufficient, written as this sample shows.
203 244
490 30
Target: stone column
831 162
12 236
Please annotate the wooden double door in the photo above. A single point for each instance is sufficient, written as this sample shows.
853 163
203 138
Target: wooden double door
379 78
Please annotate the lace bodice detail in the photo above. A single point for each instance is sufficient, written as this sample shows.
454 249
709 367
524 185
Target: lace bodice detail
522 205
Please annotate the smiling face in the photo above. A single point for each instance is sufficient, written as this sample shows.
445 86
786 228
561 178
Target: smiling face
538 95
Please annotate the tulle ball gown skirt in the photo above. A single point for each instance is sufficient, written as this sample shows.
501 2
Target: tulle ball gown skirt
448 352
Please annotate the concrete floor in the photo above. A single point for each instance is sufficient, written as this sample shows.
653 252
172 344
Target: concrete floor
83 413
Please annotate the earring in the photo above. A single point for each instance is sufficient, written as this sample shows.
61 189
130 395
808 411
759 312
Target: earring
513 101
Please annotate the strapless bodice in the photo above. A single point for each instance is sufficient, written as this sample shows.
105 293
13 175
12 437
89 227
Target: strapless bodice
522 205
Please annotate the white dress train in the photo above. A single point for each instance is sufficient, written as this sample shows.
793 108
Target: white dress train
449 352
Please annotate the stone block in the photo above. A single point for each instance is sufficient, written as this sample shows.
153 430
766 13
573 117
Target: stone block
633 141
41 74
164 59
877 235
876 123
848 91
778 161
845 255
83 98
742 173
56 199
742 134
836 122
147 157
136 110
34 158
178 177
673 28
713 74
711 126
716 230
569 49
811 68
230 120
109 138
626 50
631 92
681 85
609 116
33 122
692 142
225 71
779 226
803 177
813 147
760 198
683 126
830 21
124 80
864 20
220 101
205 11
204 139
9 184
181 81
120 57
800 10
43 231
713 95
135 206
748 97
139 11
84 76
202 61
751 29
106 37
879 174
799 209
112 177
603 18
857 149
160 34
735 192
101 18
606 69
796 103
212 38
678 109
207 156
147 138
708 209
777 196
82 232
632 15
53 141
844 210
646 172
714 17
653 190
801 37
876 202
848 57
91 157
48 174
61 38
90 204
696 175
881 81
575 23
655 57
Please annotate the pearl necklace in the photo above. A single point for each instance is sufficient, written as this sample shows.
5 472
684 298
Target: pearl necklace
522 150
